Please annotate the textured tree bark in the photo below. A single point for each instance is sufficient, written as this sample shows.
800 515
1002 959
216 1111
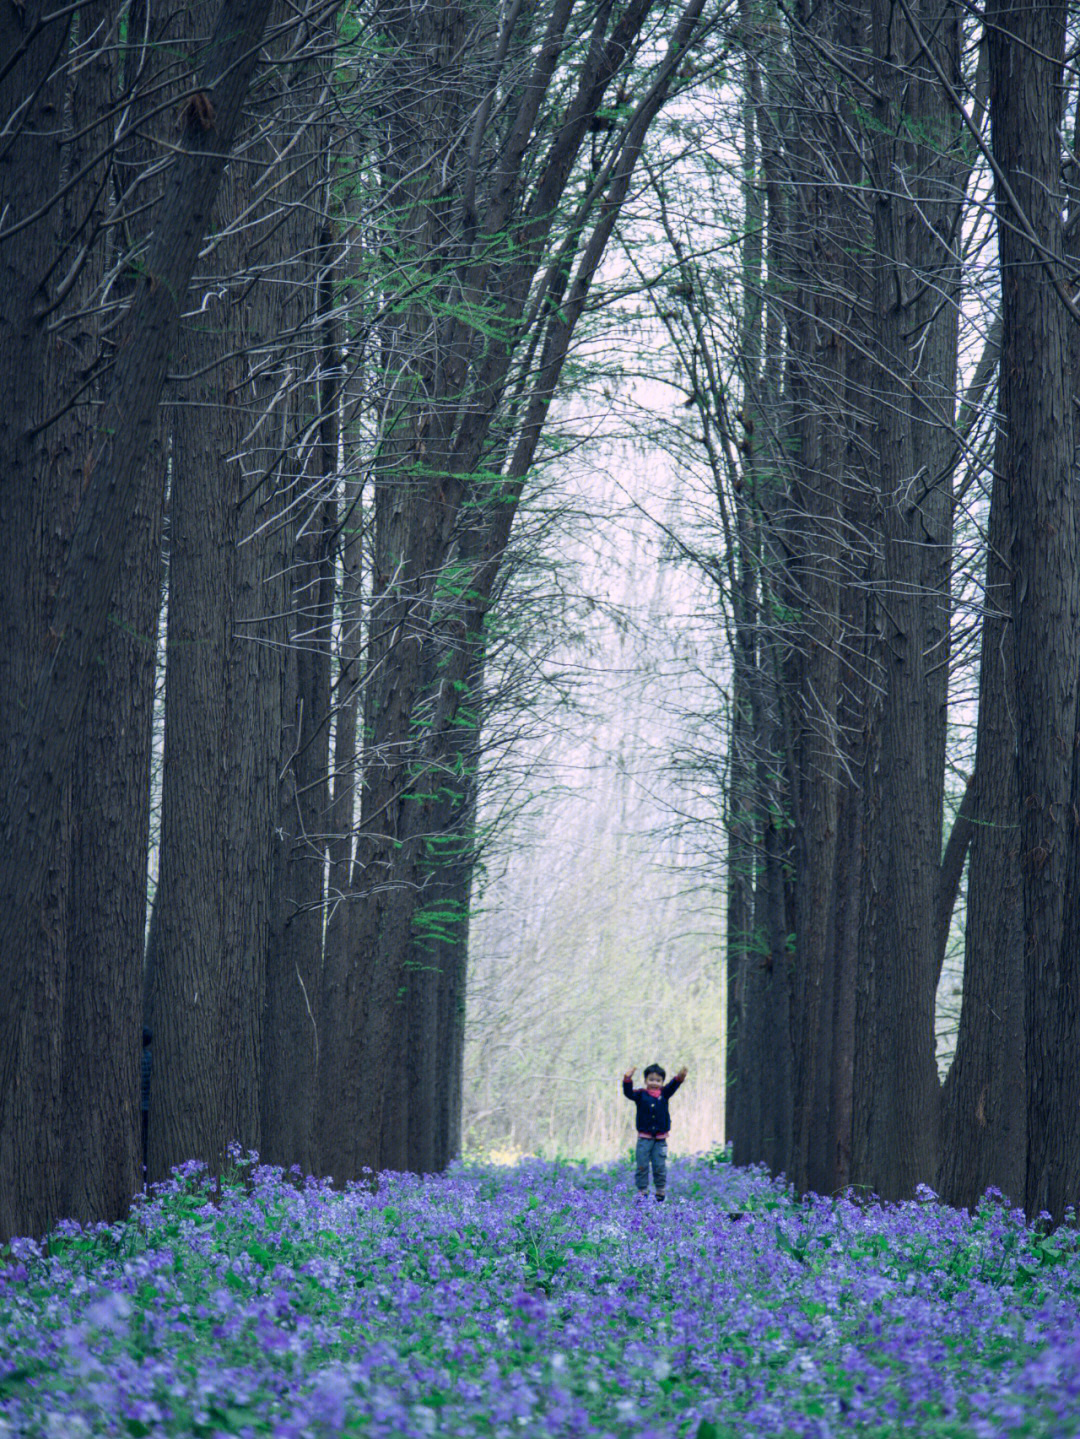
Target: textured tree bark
984 1139
42 727
295 944
436 1031
110 804
759 1097
301 672
912 407
774 902
338 972
744 823
822 241
765 1133
743 826
35 509
849 909
952 869
1026 48
776 1056
263 731
857 713
107 897
186 1120
234 719
451 955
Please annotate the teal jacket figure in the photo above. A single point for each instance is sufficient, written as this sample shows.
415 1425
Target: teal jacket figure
653 1125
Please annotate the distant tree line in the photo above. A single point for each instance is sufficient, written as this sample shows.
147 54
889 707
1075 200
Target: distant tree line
287 291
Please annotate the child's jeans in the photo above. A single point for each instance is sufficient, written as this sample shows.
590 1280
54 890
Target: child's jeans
654 1152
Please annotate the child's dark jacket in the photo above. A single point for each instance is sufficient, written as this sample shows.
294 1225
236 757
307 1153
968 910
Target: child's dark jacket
653 1117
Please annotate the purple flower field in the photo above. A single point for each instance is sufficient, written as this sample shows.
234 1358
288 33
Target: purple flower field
540 1300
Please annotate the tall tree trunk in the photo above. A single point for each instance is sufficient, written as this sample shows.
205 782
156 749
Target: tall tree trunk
338 973
912 236
760 1061
186 1119
451 955
743 827
824 236
984 1138
37 499
743 823
110 803
233 725
306 540
53 693
1026 46
857 730
441 924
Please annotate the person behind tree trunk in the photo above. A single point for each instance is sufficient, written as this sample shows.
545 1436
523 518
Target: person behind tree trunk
653 1124
144 1095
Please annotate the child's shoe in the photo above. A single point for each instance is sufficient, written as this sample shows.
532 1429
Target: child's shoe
660 1196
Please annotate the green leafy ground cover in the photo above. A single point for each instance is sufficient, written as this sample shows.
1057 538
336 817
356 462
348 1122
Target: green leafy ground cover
542 1299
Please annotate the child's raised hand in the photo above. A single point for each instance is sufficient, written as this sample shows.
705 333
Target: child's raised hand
681 1074
630 1071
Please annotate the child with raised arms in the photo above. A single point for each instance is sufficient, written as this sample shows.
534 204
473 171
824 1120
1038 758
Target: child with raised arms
653 1125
